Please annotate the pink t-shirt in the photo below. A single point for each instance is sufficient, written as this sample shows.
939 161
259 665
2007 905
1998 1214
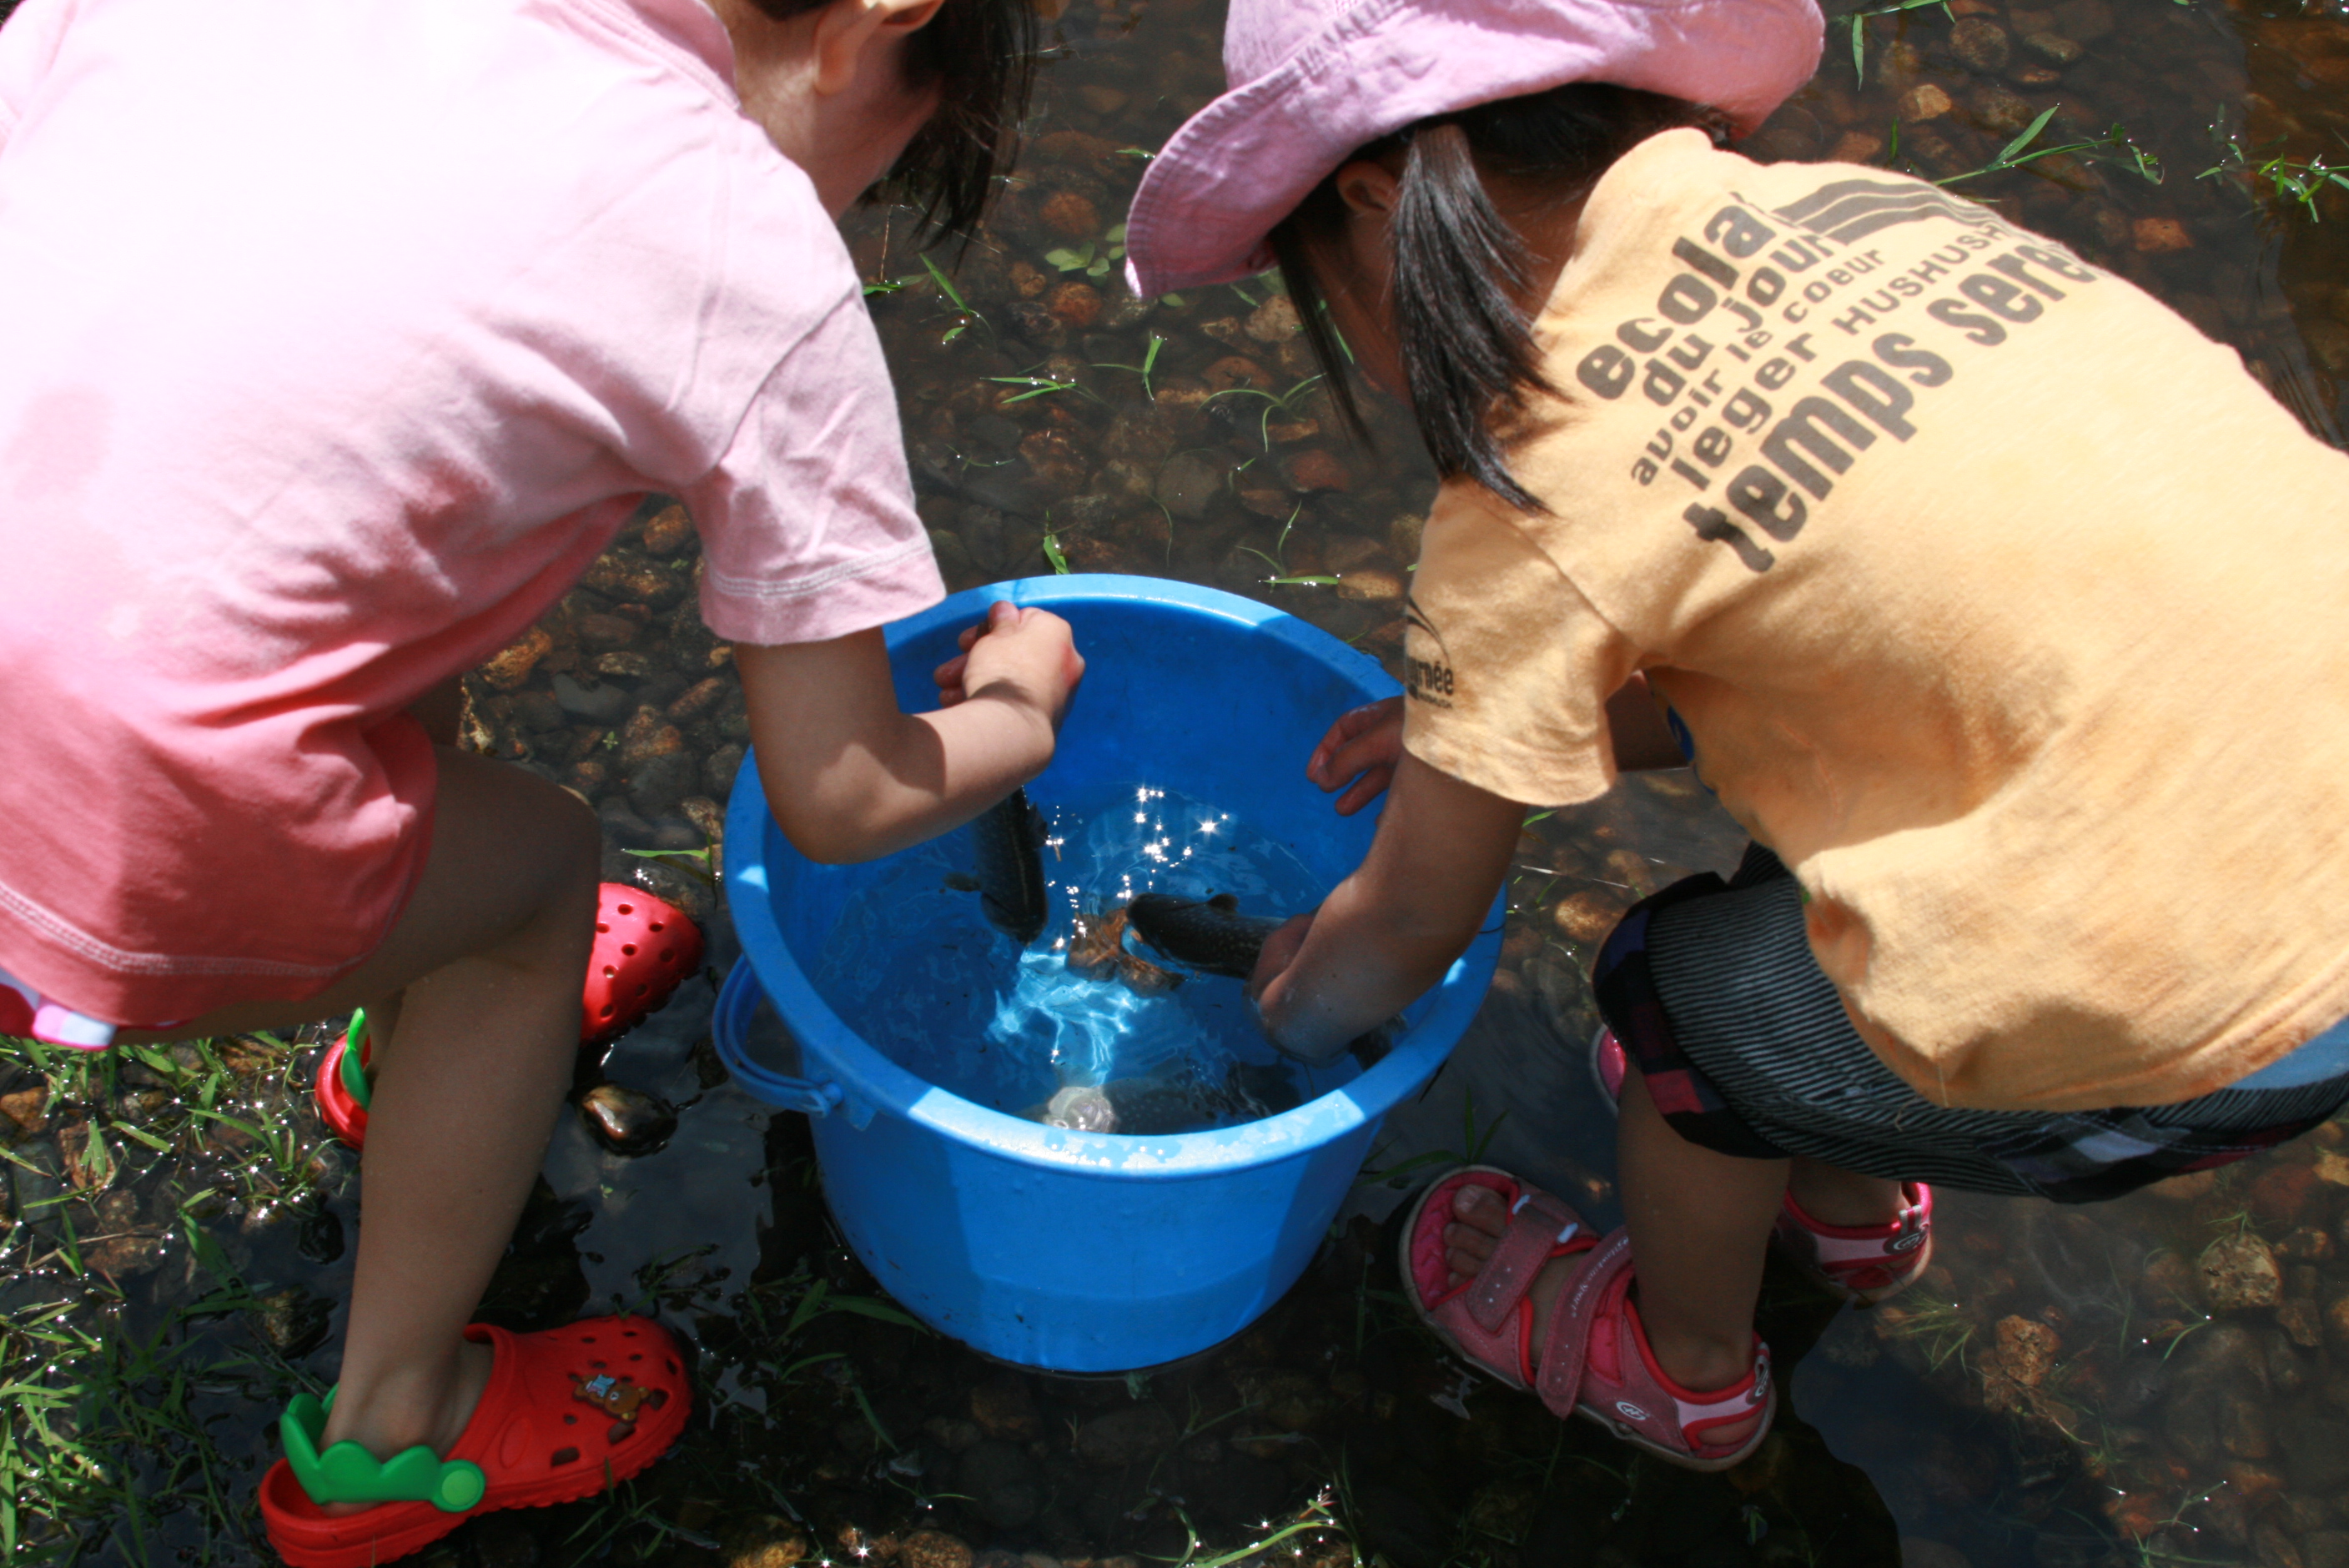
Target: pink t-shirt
340 339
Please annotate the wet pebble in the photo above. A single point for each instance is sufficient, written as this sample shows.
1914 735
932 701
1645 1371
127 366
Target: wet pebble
1126 1436
1005 1409
1923 102
2053 49
1069 215
627 1120
2240 1272
1981 45
590 700
667 532
1316 469
763 1540
934 1549
510 666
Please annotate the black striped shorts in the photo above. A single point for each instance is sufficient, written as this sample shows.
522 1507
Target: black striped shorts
1745 1048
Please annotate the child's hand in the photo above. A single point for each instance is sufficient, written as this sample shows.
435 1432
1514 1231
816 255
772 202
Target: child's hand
1364 746
1279 950
1027 655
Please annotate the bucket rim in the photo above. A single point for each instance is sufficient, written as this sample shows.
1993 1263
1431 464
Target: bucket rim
830 1047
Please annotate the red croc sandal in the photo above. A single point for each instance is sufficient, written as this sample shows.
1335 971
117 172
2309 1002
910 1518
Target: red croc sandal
644 947
568 1413
1595 1359
343 1088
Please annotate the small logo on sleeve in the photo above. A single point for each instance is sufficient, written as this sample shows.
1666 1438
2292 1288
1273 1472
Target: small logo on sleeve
1426 679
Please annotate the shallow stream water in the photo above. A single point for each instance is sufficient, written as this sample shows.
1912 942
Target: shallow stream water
2164 1380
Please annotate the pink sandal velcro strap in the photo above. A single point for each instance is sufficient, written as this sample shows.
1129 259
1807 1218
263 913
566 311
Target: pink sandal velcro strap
1538 1226
1487 1320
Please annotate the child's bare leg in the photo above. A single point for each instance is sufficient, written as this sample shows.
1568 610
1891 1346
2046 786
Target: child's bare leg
485 966
1834 1196
1700 1224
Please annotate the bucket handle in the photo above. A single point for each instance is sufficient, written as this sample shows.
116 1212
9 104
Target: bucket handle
737 1000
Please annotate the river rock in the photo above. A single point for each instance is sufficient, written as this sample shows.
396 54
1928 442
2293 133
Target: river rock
1126 1436
1317 470
627 1120
1004 1485
2054 47
718 770
1069 215
2001 110
602 704
667 532
1370 586
1189 484
934 1549
510 666
763 1540
599 631
1981 45
1076 304
2239 1272
1004 1408
1275 321
1923 102
292 1321
2316 1452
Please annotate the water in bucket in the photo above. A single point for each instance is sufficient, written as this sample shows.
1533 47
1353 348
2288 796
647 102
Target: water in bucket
915 969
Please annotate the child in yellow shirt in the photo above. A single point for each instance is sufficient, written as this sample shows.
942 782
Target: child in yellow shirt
1890 518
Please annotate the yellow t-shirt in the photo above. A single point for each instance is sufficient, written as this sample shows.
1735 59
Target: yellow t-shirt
1999 602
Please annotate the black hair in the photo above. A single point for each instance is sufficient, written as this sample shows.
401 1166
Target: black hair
980 55
1459 269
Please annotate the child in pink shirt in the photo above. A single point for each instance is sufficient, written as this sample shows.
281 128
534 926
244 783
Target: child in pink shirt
341 340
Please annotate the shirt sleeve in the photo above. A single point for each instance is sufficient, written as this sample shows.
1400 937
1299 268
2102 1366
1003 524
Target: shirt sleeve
1508 668
807 522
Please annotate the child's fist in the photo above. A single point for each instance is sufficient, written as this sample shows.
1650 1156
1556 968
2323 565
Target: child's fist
1028 655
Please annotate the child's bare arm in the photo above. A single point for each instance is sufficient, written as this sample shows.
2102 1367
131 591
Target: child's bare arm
848 777
1388 932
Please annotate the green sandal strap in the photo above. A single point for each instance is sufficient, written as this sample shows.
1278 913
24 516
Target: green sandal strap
349 1473
354 1068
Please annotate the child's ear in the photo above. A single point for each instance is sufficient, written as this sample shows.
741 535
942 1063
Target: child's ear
1367 187
847 29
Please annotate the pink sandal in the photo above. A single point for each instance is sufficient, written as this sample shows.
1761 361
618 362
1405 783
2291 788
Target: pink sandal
1862 1264
1595 1361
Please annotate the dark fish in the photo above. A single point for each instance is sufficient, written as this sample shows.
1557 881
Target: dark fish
1009 838
1214 937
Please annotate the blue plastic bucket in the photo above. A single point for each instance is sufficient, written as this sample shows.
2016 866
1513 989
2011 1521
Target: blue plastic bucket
1073 1251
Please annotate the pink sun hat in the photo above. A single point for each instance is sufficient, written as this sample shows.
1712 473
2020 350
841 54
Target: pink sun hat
1314 79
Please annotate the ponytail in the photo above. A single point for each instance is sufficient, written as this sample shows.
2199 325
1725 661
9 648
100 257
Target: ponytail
1467 348
1470 363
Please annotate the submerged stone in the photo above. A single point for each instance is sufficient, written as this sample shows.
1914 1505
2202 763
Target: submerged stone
627 1120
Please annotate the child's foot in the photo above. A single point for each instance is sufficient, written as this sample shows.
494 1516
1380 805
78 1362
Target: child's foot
565 1413
401 1413
1479 1219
